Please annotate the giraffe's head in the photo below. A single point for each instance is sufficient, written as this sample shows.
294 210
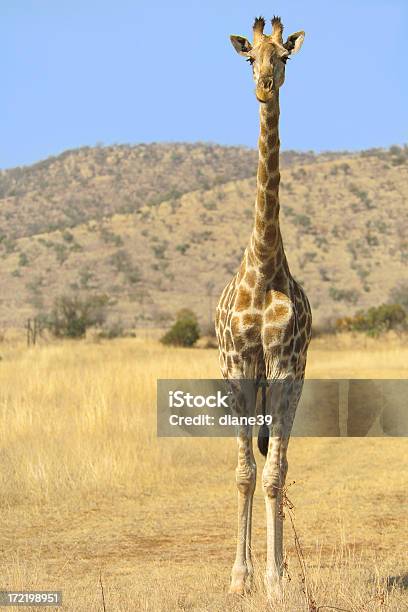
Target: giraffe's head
268 55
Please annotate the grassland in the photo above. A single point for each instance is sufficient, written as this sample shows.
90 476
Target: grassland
90 496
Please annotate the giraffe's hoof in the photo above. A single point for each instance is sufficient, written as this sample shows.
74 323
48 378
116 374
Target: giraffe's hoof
239 575
274 588
237 589
242 587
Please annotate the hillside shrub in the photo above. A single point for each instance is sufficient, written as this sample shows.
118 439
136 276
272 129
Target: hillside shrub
182 248
68 236
61 252
184 332
159 249
302 220
399 295
23 260
376 320
110 237
86 276
344 295
121 260
115 329
133 276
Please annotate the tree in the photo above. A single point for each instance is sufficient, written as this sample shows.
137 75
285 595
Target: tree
185 330
71 316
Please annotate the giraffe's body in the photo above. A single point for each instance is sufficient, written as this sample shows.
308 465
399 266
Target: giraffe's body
263 319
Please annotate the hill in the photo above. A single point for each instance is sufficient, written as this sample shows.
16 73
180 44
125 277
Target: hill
163 226
92 182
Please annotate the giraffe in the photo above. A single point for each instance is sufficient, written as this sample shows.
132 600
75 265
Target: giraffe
263 321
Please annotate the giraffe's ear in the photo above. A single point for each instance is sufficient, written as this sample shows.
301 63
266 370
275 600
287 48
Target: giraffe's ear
241 44
294 42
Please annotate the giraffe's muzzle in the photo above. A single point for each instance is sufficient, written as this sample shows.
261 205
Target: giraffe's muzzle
266 83
264 89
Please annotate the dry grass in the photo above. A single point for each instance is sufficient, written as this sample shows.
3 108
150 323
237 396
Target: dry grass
86 487
352 355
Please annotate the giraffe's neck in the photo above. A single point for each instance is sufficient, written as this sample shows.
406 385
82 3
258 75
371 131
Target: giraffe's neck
266 241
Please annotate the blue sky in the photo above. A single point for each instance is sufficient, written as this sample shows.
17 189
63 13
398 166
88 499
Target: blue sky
79 72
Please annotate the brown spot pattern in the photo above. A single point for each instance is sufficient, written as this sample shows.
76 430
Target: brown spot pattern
281 311
252 319
250 278
235 326
243 300
272 335
262 173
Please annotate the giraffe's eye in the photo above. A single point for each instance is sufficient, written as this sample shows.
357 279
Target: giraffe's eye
285 58
250 60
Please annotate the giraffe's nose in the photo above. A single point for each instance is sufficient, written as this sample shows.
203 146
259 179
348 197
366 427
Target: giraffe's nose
266 83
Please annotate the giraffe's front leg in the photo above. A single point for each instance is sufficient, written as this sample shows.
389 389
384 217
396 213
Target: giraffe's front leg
248 550
242 569
273 480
